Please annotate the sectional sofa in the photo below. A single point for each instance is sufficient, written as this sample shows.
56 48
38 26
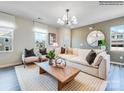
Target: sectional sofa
77 58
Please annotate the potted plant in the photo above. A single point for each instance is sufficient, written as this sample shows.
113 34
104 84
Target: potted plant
103 44
50 55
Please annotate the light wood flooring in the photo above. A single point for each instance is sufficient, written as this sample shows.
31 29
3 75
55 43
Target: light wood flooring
9 82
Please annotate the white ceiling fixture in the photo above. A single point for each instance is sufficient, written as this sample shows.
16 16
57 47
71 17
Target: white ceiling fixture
67 19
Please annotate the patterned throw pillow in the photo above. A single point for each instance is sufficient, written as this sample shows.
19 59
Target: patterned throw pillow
43 51
29 53
90 57
98 61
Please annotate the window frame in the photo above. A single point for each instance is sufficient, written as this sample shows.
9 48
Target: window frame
114 50
12 43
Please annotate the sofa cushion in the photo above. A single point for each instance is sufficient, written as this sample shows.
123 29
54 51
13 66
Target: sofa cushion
83 52
29 53
44 57
90 57
65 56
31 59
82 61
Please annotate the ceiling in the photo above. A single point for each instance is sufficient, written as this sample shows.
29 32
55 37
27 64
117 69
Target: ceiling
87 12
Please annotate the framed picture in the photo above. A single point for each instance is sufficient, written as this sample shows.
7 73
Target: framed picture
52 38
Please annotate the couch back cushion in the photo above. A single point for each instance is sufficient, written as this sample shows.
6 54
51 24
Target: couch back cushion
75 51
83 52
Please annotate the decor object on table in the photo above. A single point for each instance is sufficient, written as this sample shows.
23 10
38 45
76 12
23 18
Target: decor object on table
94 37
60 62
51 56
52 38
67 19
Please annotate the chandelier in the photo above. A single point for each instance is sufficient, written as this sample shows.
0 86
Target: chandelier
67 19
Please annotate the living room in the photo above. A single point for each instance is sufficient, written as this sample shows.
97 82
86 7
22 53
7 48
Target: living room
61 45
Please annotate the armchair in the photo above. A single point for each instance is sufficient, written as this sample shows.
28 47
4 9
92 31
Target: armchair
29 59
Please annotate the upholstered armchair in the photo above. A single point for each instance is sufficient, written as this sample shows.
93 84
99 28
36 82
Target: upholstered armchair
30 58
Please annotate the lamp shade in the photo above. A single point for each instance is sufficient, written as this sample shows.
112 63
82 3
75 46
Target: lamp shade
55 44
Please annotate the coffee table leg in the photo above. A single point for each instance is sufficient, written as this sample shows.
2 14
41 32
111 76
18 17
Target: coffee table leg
41 71
60 85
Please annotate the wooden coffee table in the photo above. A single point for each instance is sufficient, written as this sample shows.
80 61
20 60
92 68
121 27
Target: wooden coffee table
63 76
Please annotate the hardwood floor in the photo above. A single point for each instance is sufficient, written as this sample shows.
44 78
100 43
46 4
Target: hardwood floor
116 78
9 82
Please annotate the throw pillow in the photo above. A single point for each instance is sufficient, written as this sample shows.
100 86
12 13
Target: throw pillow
98 61
62 50
90 57
43 51
103 54
70 51
29 53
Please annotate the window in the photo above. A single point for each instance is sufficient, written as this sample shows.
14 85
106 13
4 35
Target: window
6 39
7 27
41 35
117 38
41 39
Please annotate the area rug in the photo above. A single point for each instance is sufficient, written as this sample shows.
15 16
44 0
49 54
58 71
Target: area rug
30 80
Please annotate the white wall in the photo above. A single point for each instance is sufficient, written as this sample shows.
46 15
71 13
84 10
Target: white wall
64 37
23 38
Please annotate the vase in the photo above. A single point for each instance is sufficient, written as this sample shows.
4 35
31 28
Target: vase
50 61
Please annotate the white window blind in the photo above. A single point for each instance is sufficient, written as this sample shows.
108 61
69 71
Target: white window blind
7 20
7 27
40 33
39 27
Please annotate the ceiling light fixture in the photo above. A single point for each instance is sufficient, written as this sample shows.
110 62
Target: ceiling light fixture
67 20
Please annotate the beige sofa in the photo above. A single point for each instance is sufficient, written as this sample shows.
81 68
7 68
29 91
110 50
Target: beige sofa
77 58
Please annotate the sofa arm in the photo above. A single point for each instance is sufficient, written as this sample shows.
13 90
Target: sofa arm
23 56
104 68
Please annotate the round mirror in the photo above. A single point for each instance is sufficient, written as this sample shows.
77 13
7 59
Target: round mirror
94 37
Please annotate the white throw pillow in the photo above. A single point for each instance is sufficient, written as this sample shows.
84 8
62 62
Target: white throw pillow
98 58
75 51
70 51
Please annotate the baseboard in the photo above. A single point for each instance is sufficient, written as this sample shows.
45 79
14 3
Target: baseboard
117 63
9 65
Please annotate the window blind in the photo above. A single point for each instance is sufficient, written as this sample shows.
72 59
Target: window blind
39 27
7 20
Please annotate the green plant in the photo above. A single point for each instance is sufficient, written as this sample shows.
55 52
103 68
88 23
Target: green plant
103 43
51 54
